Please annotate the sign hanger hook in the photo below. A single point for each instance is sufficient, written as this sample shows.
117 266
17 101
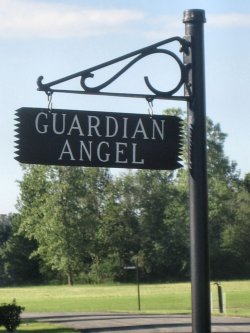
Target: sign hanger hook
50 105
150 106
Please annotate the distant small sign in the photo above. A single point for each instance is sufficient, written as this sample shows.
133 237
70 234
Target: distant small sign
98 139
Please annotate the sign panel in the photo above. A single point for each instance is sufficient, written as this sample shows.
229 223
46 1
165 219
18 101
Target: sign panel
98 139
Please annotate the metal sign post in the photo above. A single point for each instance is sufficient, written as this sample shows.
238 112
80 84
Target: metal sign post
201 321
136 268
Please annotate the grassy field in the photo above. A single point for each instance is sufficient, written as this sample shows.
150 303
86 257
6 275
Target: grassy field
155 298
30 326
237 297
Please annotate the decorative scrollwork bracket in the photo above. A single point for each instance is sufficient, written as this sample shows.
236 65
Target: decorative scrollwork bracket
133 57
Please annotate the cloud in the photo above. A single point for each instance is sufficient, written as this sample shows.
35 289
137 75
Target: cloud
36 19
165 26
26 19
229 20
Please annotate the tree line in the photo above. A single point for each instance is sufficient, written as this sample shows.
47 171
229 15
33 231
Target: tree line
77 224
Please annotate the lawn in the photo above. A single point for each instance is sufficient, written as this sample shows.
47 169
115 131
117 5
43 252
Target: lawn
120 297
237 297
29 326
155 298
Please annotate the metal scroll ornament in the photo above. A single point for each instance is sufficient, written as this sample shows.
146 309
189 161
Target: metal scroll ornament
132 58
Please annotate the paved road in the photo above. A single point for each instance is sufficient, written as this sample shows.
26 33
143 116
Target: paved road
137 323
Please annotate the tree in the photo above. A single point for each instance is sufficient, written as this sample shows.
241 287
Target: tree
223 186
15 251
223 182
223 190
63 218
246 182
5 228
161 226
117 236
236 235
5 231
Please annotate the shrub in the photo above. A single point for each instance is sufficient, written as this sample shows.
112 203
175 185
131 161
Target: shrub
10 316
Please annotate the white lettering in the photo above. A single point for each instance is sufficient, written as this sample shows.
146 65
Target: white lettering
66 150
54 116
44 128
87 152
160 131
134 146
125 128
106 159
140 129
75 126
93 126
108 134
120 152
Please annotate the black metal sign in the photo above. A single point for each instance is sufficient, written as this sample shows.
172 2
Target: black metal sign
99 139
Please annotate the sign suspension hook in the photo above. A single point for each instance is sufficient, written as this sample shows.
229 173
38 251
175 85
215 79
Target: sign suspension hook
50 105
150 106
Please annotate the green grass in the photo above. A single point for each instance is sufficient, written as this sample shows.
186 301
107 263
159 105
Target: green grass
237 294
155 298
30 326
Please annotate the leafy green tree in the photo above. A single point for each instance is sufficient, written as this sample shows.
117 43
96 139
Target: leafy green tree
246 182
16 265
117 237
223 187
161 225
63 217
223 190
223 182
5 232
5 228
144 220
236 235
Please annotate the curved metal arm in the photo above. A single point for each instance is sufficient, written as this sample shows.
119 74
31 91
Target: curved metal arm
137 56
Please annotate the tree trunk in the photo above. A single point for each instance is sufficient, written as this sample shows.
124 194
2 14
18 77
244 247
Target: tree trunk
70 278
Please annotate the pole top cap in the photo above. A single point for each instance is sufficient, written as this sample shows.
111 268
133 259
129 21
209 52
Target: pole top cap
194 15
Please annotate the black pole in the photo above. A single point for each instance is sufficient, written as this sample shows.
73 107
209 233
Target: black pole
201 318
220 297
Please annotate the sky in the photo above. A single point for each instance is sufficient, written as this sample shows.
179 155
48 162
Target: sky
56 38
